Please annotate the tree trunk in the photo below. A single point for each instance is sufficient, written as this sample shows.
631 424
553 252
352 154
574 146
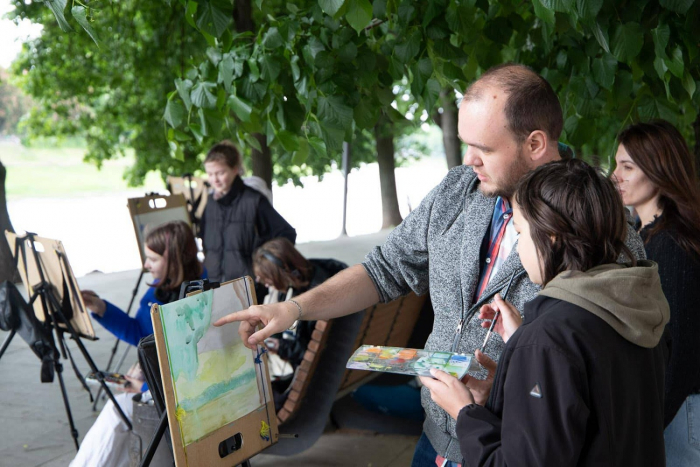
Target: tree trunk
696 127
8 271
391 216
261 160
448 123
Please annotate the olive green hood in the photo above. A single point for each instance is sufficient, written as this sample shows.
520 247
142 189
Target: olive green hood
628 298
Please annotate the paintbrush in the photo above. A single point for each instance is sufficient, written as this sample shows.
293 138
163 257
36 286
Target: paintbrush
495 317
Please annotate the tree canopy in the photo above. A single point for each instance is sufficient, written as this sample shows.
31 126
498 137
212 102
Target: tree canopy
170 77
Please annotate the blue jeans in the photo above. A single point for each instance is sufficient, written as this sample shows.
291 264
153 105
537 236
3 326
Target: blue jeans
682 435
425 455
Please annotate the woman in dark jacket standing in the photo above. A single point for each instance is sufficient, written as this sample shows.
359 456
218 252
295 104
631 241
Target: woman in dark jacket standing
580 381
655 176
238 219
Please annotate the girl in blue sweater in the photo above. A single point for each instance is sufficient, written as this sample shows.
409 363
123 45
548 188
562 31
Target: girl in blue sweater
171 258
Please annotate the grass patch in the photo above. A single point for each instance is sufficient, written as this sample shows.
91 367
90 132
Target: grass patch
43 170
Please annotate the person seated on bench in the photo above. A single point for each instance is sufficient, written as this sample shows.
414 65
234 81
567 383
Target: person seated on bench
286 272
171 258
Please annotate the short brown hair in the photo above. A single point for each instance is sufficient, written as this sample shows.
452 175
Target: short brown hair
225 152
661 152
175 242
576 217
531 105
280 263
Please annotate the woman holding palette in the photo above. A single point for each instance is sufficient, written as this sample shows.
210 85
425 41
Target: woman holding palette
565 391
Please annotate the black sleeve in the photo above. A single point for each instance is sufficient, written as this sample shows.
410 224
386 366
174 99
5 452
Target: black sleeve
680 281
271 225
292 350
547 430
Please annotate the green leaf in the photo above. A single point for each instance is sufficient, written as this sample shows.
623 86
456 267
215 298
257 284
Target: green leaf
366 115
543 13
80 14
190 12
253 142
272 39
564 6
601 36
588 9
318 145
627 41
58 7
679 6
675 63
288 140
214 55
270 68
296 72
331 7
302 153
202 96
660 68
240 107
226 67
348 52
604 69
174 113
212 20
689 83
183 90
409 49
254 70
334 110
359 14
431 94
660 35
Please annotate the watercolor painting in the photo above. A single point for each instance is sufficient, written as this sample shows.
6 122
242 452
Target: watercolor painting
214 375
410 361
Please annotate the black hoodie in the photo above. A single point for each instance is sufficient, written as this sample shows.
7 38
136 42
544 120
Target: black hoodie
581 383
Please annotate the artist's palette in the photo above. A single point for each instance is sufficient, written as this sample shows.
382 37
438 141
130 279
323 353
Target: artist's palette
410 361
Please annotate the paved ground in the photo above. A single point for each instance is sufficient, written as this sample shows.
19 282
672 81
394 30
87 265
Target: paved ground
34 429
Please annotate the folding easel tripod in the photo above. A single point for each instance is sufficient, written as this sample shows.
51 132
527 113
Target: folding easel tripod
54 319
116 343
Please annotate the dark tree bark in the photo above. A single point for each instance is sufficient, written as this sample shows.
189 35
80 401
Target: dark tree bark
8 271
391 216
448 124
261 160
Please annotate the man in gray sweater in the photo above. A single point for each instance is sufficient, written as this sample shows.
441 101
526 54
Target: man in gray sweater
458 244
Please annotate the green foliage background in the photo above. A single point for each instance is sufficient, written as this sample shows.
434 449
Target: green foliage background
171 77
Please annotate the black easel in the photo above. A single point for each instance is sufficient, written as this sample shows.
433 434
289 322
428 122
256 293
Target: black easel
185 288
116 343
53 316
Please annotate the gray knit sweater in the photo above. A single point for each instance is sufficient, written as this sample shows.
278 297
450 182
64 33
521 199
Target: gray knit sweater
436 248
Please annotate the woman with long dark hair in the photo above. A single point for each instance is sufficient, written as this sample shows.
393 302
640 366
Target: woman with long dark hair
171 258
655 176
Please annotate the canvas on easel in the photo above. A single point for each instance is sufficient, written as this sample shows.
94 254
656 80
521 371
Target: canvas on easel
59 273
150 211
194 189
217 391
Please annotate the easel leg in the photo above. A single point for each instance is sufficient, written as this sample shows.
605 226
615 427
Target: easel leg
6 342
88 359
153 445
116 344
73 431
